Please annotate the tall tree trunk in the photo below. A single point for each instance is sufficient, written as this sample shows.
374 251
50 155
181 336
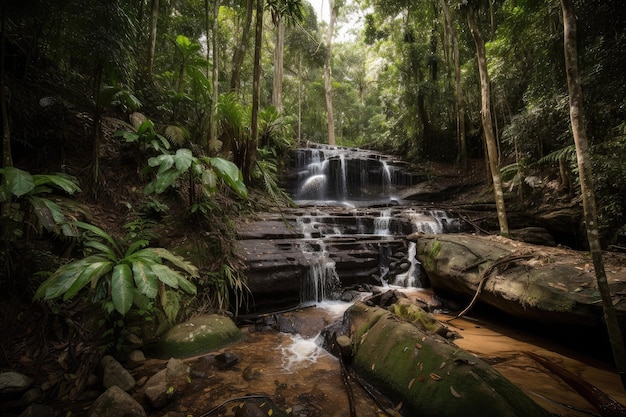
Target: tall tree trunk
7 155
240 50
154 17
256 93
213 144
328 75
586 184
460 102
279 52
299 98
492 149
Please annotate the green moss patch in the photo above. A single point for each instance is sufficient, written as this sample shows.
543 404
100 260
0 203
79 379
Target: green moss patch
199 335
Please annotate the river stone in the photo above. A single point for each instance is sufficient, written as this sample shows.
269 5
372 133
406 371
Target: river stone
116 403
114 374
12 382
201 334
38 410
428 374
165 384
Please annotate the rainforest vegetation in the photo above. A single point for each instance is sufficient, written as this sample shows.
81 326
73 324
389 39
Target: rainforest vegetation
137 133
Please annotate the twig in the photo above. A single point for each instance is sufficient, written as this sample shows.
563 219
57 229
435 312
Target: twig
246 397
483 280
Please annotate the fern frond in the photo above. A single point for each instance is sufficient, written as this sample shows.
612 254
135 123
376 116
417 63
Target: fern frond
567 153
177 135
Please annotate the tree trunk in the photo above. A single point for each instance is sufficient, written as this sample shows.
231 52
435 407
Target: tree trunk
299 98
586 184
492 149
279 51
154 17
7 155
251 147
328 75
240 50
213 144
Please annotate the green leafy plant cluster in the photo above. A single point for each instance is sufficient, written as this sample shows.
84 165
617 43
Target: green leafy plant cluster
23 194
119 277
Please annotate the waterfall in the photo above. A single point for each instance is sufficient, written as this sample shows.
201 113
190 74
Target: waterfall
322 281
364 226
381 223
343 180
410 278
386 178
336 174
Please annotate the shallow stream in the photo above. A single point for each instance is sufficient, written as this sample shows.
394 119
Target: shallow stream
301 378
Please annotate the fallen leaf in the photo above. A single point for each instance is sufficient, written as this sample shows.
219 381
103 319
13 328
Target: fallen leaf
411 383
453 391
434 376
442 365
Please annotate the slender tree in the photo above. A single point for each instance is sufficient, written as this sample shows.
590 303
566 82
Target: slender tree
256 93
284 13
7 156
587 186
328 87
240 49
460 102
154 18
485 94
214 76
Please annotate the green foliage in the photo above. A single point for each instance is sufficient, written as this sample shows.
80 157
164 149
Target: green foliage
26 194
118 274
204 169
225 283
142 132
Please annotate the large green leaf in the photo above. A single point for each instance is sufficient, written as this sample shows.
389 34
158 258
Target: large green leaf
178 261
166 275
59 282
65 182
64 278
102 248
142 243
230 173
164 162
170 301
122 288
49 213
145 278
92 272
187 286
98 232
163 181
19 182
183 159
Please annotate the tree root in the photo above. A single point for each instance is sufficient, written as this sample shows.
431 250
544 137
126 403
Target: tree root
483 279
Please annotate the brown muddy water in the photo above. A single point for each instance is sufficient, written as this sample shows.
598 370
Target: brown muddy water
301 378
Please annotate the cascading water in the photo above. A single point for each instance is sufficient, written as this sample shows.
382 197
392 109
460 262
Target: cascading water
322 280
355 240
334 174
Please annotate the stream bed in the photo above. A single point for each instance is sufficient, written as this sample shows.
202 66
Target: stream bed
293 373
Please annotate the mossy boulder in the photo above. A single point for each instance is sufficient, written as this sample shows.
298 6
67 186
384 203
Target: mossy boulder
428 374
201 334
546 284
